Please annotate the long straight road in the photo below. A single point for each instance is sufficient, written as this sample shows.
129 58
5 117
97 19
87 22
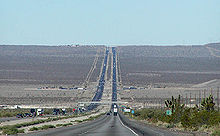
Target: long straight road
100 88
107 125
113 127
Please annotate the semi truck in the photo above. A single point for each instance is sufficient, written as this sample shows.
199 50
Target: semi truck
115 110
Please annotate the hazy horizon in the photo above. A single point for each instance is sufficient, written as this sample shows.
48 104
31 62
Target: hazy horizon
108 45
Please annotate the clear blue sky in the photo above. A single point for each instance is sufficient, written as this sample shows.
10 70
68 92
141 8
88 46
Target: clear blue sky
109 22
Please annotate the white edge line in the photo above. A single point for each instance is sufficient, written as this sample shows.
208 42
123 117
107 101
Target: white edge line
127 127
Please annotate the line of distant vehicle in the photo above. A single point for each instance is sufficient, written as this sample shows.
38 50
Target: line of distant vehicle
100 88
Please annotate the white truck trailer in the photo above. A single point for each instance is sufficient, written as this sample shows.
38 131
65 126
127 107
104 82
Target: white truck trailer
115 110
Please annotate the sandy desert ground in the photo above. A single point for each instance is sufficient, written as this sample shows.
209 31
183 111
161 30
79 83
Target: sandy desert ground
24 69
158 72
180 65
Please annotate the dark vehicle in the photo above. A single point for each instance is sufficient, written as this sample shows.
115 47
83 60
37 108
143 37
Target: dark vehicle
19 116
56 111
108 113
33 112
27 115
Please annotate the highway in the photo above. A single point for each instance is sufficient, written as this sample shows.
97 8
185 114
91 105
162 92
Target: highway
106 125
114 80
8 119
100 88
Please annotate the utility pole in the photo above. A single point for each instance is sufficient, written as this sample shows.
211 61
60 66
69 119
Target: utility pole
190 100
199 98
195 100
218 98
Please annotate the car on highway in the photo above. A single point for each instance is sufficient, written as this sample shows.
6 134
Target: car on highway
56 111
33 112
27 115
19 115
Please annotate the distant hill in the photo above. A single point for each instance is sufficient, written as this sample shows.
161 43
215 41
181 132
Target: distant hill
166 51
214 45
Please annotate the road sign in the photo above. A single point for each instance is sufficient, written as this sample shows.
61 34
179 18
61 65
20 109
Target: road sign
168 112
132 112
127 110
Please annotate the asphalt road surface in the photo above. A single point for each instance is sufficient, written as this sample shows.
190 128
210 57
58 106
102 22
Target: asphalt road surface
113 127
104 126
8 119
107 125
